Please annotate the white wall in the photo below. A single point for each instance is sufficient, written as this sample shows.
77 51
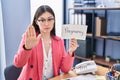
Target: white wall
56 5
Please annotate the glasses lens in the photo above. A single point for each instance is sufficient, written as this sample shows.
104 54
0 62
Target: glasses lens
44 20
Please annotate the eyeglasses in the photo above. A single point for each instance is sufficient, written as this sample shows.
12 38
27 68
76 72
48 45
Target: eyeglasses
44 20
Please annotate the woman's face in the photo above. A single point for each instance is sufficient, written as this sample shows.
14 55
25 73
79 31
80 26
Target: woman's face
46 22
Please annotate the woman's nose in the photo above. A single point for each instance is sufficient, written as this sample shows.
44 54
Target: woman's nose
46 22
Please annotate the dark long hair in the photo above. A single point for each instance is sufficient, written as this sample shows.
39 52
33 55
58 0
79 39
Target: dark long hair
42 9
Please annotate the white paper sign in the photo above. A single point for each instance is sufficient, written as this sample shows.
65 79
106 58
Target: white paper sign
74 31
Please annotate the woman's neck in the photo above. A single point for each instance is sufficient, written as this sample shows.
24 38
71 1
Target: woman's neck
46 36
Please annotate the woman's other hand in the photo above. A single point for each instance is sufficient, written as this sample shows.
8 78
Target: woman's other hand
72 46
31 40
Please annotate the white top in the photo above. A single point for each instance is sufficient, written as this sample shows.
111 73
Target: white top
47 65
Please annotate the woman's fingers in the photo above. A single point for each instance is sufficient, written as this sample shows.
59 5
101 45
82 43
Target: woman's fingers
31 39
27 33
31 31
73 42
73 46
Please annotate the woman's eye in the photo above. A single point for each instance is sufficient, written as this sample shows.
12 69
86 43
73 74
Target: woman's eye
50 19
41 20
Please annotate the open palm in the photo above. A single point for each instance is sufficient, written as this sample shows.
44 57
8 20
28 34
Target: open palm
31 40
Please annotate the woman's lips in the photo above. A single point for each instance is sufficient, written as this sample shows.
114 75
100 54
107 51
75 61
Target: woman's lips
46 29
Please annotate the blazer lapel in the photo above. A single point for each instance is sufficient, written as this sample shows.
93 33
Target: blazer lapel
54 55
40 59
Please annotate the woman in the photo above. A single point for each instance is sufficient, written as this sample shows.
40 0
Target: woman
41 53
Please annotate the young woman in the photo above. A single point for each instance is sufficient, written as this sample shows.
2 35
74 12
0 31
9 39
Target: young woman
41 53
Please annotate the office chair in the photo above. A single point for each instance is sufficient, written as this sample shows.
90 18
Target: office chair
11 72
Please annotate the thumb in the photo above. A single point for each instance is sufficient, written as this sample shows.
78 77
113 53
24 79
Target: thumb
39 36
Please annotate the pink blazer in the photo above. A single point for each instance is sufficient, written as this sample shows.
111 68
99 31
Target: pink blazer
32 60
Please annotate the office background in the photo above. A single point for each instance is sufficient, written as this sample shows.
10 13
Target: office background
16 16
113 25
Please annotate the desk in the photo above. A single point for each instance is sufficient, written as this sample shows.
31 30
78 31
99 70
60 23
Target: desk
101 71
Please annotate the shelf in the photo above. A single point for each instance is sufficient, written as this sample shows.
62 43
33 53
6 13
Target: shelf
99 60
105 37
110 37
95 8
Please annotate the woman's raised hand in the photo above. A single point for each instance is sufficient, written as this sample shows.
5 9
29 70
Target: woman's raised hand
31 40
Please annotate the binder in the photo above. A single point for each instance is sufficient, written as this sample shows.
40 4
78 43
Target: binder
79 19
100 26
83 19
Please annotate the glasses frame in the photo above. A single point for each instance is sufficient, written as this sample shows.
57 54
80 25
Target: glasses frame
49 20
